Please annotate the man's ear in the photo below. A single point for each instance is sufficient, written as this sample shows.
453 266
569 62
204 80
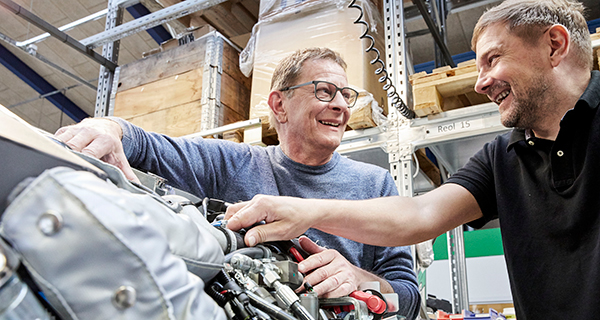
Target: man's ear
275 102
560 43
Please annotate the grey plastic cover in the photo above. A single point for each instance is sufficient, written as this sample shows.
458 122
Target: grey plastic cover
100 252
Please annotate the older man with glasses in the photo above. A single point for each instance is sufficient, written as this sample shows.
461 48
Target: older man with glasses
310 118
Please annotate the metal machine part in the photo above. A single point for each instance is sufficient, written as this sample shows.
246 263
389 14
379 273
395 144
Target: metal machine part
357 308
270 273
16 299
96 204
270 297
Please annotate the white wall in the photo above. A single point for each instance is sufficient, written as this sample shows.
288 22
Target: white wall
486 276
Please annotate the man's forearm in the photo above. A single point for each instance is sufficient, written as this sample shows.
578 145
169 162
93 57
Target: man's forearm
389 221
397 220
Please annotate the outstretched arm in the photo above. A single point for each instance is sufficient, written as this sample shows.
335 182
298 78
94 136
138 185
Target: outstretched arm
389 221
99 138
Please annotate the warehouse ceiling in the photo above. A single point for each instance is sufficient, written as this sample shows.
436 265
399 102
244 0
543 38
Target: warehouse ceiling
233 18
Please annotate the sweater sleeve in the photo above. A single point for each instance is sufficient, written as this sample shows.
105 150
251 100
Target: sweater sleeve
199 166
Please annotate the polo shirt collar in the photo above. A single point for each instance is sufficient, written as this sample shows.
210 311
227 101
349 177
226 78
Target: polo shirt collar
591 96
590 99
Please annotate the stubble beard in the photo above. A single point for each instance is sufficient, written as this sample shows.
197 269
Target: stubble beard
527 108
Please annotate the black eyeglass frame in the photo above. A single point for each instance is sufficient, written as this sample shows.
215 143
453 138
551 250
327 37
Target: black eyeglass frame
315 82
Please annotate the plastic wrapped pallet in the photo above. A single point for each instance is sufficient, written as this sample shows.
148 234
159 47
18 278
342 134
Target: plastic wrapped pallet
286 26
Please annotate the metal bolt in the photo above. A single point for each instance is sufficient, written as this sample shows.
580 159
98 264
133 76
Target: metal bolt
124 297
50 222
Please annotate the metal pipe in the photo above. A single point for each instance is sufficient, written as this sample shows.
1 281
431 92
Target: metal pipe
159 17
42 24
66 27
234 126
434 32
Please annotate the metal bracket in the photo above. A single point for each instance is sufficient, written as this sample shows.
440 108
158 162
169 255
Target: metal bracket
110 51
212 115
175 11
458 269
113 91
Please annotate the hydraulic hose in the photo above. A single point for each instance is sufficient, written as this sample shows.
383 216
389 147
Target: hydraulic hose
269 308
388 86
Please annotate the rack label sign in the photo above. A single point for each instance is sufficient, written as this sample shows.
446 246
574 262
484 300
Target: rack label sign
455 127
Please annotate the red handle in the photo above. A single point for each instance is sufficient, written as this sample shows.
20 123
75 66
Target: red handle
374 303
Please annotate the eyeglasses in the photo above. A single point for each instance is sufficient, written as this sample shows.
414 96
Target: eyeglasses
325 91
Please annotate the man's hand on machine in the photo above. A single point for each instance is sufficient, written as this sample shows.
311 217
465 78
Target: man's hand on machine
329 273
285 218
99 138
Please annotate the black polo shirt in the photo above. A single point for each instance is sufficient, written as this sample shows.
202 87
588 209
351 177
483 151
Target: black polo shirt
546 195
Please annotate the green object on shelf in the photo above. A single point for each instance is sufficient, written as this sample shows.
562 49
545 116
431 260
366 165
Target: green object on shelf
478 243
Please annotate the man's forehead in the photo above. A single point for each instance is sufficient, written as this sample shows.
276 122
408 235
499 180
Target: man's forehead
493 36
320 67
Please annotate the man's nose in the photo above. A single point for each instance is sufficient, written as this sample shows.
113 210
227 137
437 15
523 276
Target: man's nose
483 83
338 103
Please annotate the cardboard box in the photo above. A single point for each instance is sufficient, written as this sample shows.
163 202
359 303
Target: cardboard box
283 29
184 90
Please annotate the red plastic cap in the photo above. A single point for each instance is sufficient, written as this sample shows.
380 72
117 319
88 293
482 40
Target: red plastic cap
374 303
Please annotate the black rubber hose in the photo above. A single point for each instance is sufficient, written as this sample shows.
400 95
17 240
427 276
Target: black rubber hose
257 252
269 308
220 299
385 79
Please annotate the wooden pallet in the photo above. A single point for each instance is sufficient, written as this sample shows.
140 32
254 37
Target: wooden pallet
596 37
362 118
445 89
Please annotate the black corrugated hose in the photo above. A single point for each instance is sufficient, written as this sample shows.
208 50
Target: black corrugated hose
385 79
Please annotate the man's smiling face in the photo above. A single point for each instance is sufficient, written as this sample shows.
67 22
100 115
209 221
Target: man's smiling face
512 74
313 123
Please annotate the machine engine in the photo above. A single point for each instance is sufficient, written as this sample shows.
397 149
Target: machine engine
79 241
